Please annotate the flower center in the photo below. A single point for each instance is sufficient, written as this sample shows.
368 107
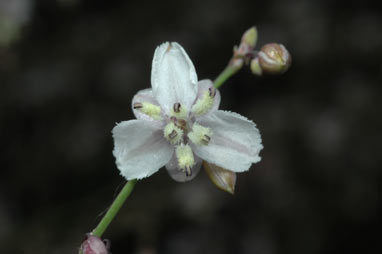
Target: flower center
181 128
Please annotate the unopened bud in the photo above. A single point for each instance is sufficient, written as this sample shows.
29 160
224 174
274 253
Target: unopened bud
250 37
255 67
247 44
274 58
93 245
222 178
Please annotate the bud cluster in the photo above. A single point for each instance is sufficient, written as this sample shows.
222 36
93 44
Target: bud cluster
273 58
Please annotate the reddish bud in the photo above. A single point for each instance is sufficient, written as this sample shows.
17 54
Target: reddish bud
93 245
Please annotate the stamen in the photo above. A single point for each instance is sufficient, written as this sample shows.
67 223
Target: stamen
149 109
177 107
173 133
137 105
185 158
212 92
205 103
206 139
188 171
178 111
200 135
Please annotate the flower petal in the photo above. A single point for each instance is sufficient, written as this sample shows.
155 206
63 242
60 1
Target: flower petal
140 149
178 175
235 143
173 76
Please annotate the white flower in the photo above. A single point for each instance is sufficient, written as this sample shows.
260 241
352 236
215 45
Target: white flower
179 125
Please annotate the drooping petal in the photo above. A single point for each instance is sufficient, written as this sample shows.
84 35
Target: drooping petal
143 96
179 176
208 98
140 149
235 143
173 76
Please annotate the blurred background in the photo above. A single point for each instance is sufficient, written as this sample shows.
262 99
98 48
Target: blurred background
68 72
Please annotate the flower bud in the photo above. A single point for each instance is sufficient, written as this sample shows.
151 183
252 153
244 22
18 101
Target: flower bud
274 58
255 67
250 37
247 43
93 245
222 178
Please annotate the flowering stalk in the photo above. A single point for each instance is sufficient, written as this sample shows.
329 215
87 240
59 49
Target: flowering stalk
241 56
114 208
203 100
226 74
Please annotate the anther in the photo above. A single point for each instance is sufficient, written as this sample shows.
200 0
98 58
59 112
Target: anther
212 92
188 171
137 105
179 111
173 134
177 107
206 139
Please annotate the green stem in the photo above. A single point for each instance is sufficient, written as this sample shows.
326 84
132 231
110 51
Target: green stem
114 208
226 74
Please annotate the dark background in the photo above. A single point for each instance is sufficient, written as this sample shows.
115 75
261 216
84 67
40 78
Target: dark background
68 72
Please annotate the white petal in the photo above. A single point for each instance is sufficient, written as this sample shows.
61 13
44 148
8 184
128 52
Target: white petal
178 175
235 143
140 149
173 76
145 95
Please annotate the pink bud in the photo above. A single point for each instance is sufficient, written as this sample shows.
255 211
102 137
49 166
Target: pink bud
93 245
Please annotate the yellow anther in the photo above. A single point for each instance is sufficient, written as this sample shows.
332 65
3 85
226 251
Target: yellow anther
173 133
179 111
200 135
185 158
149 109
205 103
